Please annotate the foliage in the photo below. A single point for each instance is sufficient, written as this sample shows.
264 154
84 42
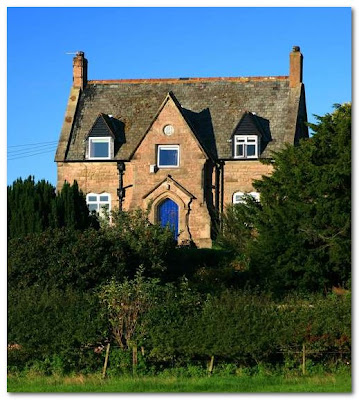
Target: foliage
124 305
239 230
63 257
29 206
169 333
34 207
70 209
303 237
175 326
83 260
322 324
55 329
245 327
207 270
238 325
149 244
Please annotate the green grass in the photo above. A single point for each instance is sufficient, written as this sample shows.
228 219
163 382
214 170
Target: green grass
333 383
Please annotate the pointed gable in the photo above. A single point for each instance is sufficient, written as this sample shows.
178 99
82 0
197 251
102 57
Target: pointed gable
170 97
169 180
102 127
248 126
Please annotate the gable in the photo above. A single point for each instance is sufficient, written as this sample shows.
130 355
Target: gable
102 127
247 126
172 102
164 186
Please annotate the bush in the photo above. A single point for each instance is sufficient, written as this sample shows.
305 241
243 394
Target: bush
321 323
208 270
62 257
55 330
83 260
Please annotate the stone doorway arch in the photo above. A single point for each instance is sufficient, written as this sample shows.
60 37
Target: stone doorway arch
173 192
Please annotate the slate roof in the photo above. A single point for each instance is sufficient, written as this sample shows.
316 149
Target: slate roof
213 106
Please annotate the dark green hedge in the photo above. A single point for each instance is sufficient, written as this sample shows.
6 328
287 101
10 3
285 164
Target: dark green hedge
249 328
56 329
66 257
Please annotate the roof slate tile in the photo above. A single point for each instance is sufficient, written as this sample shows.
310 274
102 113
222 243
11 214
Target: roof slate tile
214 106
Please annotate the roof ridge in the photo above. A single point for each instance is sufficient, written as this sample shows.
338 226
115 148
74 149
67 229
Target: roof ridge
187 80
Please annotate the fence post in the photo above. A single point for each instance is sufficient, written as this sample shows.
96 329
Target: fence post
303 359
210 368
134 359
106 361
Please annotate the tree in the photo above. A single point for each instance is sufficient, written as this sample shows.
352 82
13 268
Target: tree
35 207
125 304
303 237
29 206
69 209
239 230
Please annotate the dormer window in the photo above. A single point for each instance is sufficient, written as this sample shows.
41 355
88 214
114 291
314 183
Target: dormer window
99 148
101 139
246 146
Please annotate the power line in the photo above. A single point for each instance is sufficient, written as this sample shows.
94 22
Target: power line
33 144
31 155
24 151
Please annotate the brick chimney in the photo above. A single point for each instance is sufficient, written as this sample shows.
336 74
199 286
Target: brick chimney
295 67
79 70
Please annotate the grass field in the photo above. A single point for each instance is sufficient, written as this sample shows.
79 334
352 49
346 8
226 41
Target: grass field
330 383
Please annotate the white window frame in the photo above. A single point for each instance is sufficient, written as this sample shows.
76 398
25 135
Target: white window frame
168 147
246 140
241 200
109 140
98 201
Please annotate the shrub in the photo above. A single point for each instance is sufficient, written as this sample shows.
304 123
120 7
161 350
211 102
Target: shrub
83 260
62 257
56 329
321 323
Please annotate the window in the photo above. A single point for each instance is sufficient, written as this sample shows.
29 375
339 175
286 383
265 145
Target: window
238 197
168 156
246 146
99 148
100 203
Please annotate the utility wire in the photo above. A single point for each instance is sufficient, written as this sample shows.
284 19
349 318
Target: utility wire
30 155
33 144
23 151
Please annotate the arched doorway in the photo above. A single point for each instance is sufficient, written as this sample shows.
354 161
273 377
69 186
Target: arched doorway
167 215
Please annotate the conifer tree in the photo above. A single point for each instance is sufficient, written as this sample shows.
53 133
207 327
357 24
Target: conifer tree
303 239
34 207
29 206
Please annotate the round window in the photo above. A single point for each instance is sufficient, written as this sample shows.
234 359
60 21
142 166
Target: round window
168 130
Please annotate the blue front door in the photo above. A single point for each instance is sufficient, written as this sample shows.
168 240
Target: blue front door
168 215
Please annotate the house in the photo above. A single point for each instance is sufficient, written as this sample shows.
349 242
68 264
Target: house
181 148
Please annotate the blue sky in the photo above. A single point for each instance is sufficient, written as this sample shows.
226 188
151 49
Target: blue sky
158 43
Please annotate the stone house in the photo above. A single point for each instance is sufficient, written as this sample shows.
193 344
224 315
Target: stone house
182 148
